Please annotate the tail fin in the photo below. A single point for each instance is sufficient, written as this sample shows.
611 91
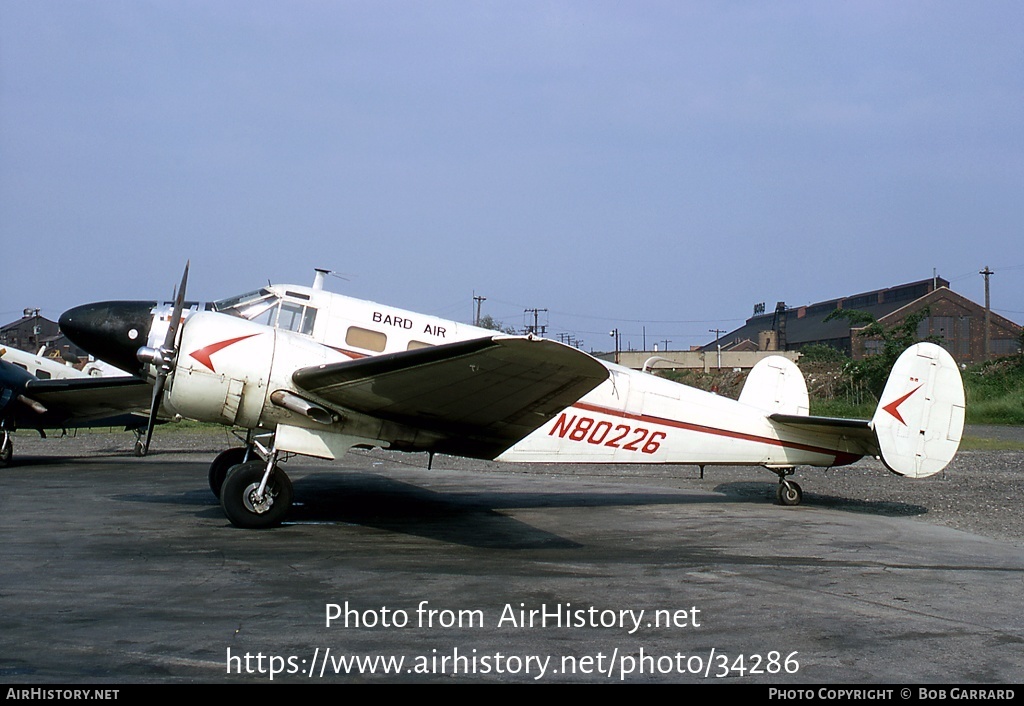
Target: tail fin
776 386
920 416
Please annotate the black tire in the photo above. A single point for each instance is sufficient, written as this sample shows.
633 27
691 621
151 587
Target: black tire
238 499
221 465
140 448
789 493
7 453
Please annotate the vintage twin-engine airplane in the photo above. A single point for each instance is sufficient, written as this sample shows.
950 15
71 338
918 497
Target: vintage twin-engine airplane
305 371
39 393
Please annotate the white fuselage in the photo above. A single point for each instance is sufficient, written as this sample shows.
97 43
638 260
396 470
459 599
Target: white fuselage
632 417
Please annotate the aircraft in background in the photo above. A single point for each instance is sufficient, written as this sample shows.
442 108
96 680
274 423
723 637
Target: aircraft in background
305 371
40 393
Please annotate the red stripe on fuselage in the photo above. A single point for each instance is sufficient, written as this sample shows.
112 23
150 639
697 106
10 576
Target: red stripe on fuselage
350 354
842 458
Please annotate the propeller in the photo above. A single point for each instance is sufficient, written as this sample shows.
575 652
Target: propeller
163 358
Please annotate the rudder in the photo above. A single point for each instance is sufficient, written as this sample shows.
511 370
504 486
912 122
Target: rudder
920 417
776 386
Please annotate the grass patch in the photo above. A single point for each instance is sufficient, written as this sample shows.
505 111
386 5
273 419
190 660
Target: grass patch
975 443
995 392
842 408
187 425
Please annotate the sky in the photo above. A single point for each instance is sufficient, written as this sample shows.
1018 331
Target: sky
655 167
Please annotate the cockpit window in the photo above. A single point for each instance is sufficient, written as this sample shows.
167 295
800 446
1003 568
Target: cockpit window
249 305
296 317
265 307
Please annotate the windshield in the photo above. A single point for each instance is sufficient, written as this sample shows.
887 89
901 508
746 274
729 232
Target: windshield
265 307
250 305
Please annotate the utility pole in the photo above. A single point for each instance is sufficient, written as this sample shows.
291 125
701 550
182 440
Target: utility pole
479 301
986 273
536 329
615 334
718 332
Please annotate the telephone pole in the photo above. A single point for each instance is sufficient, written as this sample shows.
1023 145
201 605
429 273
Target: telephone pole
536 329
986 273
479 301
718 332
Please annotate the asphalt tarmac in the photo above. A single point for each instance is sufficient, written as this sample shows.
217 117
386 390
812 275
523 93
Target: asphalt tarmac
124 570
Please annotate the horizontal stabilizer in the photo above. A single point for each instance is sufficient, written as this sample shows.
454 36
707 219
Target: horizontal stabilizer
855 428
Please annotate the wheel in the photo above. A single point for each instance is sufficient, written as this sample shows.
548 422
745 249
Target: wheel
221 465
140 448
789 493
241 504
6 450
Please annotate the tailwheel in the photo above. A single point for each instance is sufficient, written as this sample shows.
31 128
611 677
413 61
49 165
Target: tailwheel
6 448
789 493
140 449
242 501
222 464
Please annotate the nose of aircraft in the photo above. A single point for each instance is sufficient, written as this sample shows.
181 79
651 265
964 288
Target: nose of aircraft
111 331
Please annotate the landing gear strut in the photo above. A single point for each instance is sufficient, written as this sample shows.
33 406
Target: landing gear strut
788 493
226 460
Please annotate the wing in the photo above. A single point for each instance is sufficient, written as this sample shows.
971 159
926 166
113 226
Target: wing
80 402
476 397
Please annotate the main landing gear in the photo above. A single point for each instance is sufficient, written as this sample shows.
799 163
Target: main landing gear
788 493
254 492
256 495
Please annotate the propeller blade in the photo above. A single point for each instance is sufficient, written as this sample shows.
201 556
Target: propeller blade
170 357
154 407
179 303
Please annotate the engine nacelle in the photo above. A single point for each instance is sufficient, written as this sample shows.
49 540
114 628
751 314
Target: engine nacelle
227 367
12 379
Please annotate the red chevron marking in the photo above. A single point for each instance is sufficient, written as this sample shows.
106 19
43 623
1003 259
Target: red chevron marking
893 407
203 354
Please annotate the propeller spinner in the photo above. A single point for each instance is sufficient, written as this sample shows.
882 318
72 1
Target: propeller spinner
163 358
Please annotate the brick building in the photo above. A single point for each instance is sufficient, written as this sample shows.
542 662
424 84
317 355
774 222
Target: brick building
958 322
34 331
30 332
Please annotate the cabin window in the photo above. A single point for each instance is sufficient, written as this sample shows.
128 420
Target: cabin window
366 339
308 319
42 374
23 367
413 345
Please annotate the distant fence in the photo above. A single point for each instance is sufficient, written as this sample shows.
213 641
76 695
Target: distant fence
694 360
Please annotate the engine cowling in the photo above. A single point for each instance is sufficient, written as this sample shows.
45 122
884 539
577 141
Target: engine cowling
227 368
